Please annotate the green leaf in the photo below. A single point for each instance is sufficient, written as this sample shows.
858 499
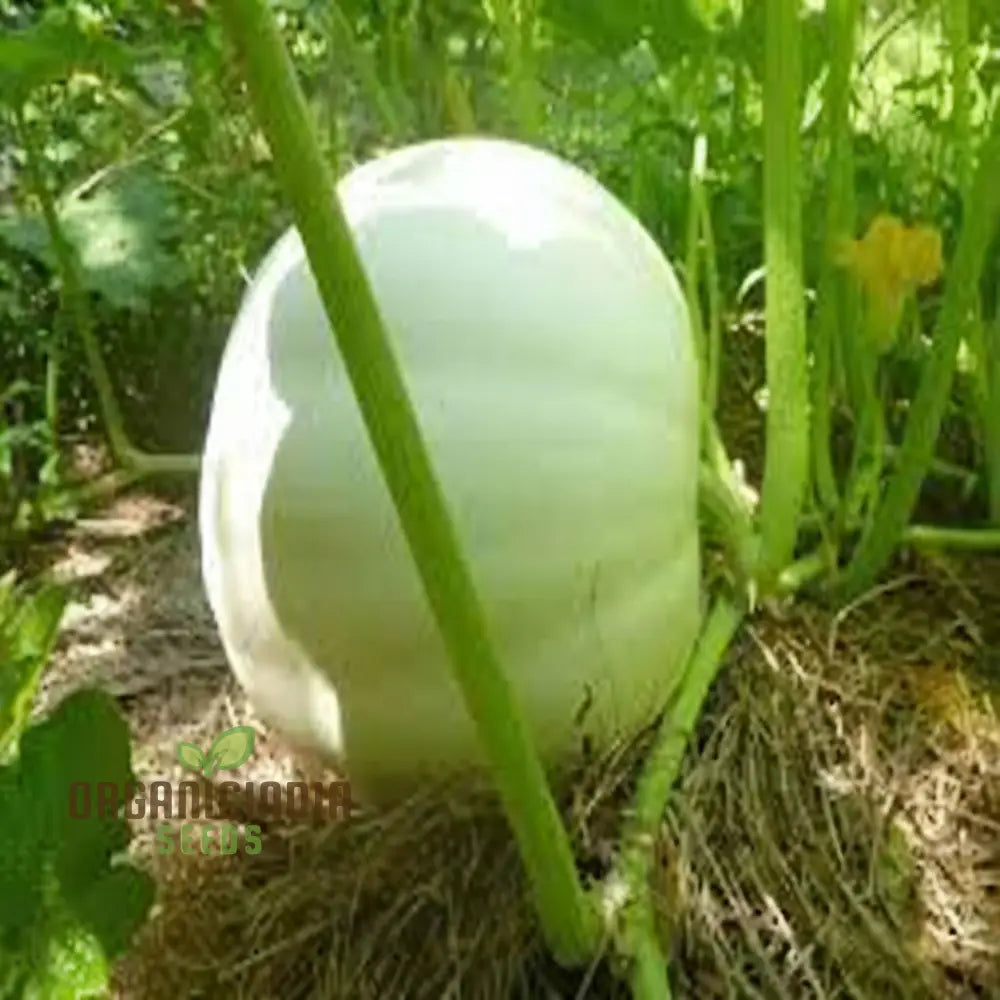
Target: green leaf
68 904
121 234
51 50
190 756
231 749
28 631
132 893
85 739
609 28
67 963
21 871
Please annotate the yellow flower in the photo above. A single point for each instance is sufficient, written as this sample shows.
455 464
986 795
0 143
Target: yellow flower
889 262
926 261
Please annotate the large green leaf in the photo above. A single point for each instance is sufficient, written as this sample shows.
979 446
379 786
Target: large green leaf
121 234
68 905
671 26
66 962
51 50
610 28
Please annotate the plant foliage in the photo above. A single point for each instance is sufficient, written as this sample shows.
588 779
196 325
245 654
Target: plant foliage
68 904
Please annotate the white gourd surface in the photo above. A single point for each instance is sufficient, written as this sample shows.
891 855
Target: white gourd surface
545 343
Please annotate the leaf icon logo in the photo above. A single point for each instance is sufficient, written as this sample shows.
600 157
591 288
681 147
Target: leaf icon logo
230 750
190 756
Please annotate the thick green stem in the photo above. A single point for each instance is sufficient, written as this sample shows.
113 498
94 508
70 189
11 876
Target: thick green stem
730 520
958 310
786 466
971 539
831 318
708 343
851 346
796 575
728 508
568 920
52 388
704 234
865 478
701 243
714 303
516 37
957 28
692 266
649 970
983 339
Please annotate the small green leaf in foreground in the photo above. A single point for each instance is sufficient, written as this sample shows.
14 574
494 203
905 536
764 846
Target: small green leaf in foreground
28 630
68 904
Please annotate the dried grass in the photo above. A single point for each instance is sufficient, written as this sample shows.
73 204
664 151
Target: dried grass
834 835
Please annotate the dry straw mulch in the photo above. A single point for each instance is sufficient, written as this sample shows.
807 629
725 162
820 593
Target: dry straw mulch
836 832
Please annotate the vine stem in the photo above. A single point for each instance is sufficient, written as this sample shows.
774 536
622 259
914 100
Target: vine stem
74 299
786 463
970 539
831 316
569 920
516 37
985 406
649 979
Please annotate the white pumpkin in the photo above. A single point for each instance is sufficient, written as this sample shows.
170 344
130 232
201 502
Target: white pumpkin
545 344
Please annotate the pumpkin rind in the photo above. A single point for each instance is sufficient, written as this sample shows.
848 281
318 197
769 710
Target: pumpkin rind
545 344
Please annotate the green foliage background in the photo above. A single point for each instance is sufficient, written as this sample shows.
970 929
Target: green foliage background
163 183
